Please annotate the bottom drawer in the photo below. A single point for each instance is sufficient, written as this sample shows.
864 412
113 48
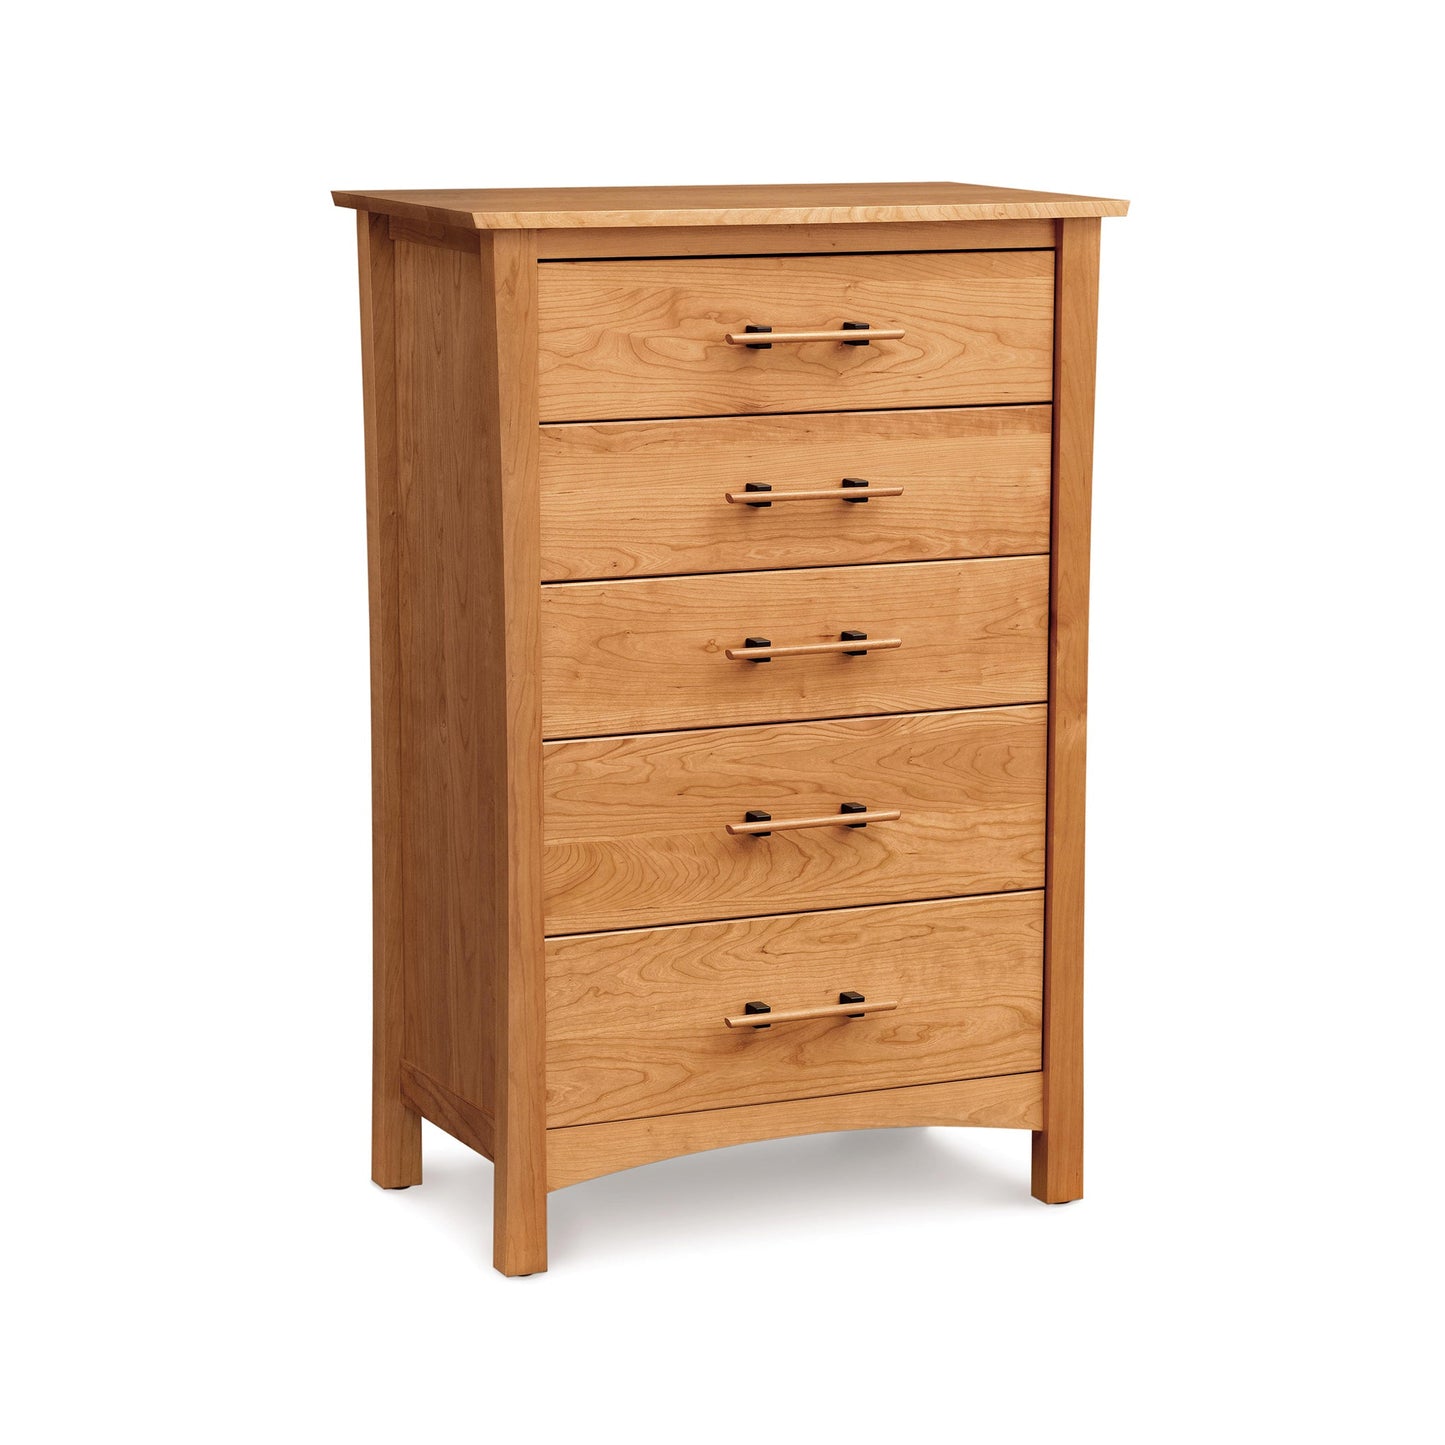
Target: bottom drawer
635 1019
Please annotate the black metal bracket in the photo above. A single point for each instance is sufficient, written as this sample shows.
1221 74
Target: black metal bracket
758 1008
854 808
768 345
758 642
856 326
759 487
756 815
855 481
851 997
854 637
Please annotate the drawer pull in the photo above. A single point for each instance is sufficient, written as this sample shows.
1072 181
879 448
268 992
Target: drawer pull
850 1005
851 333
749 496
850 644
849 815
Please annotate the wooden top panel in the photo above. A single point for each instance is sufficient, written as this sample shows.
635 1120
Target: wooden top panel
587 206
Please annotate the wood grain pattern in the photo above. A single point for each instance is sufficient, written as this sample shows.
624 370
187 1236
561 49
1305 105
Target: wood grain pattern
651 654
596 243
626 499
421 233
634 1027
635 825
1058 1148
451 802
587 1151
508 399
395 1128
474 1127
573 206
645 338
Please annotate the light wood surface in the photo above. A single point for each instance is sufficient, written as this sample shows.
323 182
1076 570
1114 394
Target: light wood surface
646 338
572 206
848 647
827 820
862 491
474 1127
623 499
651 654
454 238
635 1018
635 825
601 243
395 1128
855 336
508 406
1058 1148
837 1012
587 1151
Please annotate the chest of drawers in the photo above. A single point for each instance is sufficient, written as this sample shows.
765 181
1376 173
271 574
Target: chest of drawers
728 559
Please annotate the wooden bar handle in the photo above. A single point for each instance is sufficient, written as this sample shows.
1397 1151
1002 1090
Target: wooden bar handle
798 1015
860 337
859 819
812 494
851 646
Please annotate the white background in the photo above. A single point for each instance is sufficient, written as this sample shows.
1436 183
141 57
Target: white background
197 1253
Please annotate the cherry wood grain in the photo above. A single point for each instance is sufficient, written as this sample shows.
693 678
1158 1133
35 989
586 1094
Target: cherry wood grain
636 826
627 656
395 1127
585 206
635 1027
625 499
646 338
463 1120
586 1151
596 243
1058 1148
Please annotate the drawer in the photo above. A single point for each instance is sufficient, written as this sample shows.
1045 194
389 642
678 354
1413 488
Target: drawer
623 499
645 655
636 829
635 1020
647 338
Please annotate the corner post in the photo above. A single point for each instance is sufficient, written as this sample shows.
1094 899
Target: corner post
510 415
1058 1148
395 1129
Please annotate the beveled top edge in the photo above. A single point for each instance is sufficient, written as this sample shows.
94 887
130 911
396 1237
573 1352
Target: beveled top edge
588 207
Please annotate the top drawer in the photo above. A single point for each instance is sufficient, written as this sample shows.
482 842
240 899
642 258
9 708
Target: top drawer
647 338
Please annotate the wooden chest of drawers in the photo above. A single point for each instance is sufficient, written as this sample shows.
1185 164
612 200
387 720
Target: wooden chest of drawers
729 592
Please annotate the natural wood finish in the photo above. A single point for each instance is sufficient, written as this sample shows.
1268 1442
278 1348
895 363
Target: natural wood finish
509 407
395 1128
813 649
645 338
836 1011
828 820
421 233
633 1016
1058 1147
651 654
842 338
626 499
635 825
473 1126
601 243
588 1151
816 494
451 802
572 206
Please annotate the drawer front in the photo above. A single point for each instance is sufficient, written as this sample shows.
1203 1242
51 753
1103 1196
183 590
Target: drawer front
636 828
647 338
635 1021
624 499
645 655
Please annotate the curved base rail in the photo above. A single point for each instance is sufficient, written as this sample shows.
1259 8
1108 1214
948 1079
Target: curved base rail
588 1151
